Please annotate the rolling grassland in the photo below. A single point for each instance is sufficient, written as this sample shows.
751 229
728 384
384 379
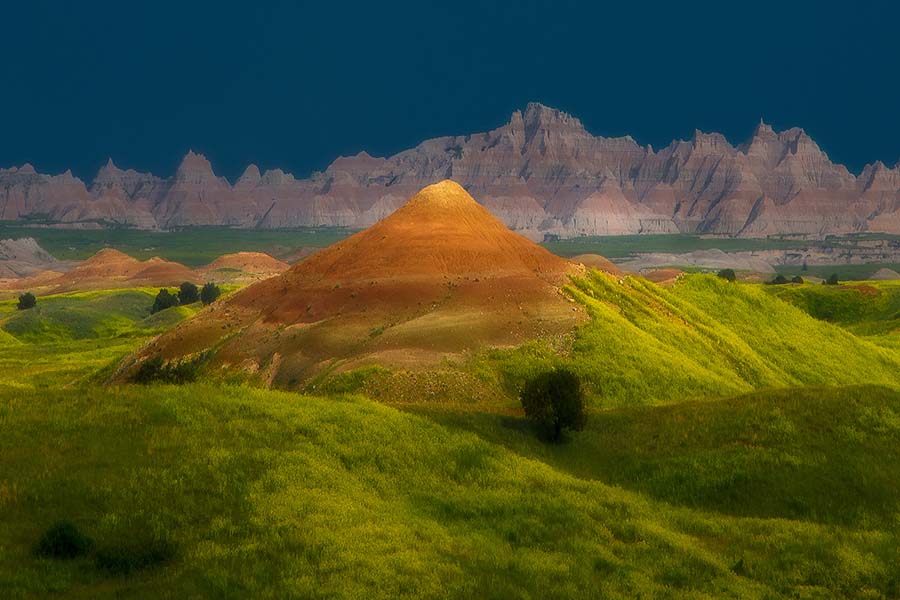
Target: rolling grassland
738 445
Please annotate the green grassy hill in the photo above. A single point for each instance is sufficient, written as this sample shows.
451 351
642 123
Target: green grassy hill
256 493
823 454
727 455
67 337
702 338
80 315
870 309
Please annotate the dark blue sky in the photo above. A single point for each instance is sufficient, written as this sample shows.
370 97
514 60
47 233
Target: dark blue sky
294 84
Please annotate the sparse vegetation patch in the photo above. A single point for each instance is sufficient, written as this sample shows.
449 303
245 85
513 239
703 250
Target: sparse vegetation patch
157 370
26 301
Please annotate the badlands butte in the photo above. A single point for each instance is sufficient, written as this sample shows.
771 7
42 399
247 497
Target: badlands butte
541 174
439 276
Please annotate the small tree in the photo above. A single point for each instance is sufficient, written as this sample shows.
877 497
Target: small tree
727 274
797 279
164 299
554 401
833 280
209 293
26 301
779 280
188 293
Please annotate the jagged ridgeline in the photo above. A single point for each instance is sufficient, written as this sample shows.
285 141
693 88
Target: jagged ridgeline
541 173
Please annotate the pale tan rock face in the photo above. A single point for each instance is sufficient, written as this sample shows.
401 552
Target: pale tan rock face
541 173
24 257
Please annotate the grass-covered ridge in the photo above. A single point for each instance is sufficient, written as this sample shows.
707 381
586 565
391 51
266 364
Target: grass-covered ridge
85 315
869 308
704 470
823 454
272 494
68 337
702 338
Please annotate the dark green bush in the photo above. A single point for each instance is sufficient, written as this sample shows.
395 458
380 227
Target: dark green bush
554 401
63 540
727 274
779 280
832 280
209 293
26 301
164 299
157 370
188 293
133 552
797 279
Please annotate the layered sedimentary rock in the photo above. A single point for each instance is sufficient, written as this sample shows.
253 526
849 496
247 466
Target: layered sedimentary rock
25 266
542 174
438 277
24 257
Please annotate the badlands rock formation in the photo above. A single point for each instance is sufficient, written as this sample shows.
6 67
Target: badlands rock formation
242 268
885 275
24 257
439 276
25 266
713 259
541 173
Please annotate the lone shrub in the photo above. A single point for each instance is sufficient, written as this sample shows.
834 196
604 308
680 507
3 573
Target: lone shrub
26 301
156 370
209 293
797 279
554 401
727 274
164 299
188 293
779 280
832 280
64 540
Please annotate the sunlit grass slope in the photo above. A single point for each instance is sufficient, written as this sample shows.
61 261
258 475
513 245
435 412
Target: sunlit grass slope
68 337
268 494
704 337
870 309
824 454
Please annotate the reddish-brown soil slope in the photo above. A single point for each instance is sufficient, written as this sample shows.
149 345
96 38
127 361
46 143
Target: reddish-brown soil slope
160 272
439 276
595 261
663 276
111 268
242 267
